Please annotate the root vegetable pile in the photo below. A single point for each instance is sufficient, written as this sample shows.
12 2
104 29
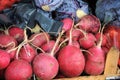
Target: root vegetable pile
79 49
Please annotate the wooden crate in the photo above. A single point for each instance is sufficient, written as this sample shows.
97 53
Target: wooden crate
111 68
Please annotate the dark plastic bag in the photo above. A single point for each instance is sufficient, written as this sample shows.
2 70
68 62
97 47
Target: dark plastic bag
108 10
26 14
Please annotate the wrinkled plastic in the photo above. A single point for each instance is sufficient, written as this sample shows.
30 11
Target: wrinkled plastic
108 10
69 8
49 25
26 14
4 19
49 5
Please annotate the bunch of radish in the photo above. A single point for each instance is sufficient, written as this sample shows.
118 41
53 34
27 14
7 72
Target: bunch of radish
79 48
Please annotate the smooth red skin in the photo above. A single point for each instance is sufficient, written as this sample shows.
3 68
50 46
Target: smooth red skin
71 61
40 39
47 47
89 23
104 38
94 68
95 61
5 40
4 59
16 32
18 70
67 24
76 34
12 54
88 41
27 53
45 66
76 44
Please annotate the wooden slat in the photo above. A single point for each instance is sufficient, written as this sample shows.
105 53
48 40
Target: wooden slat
111 61
100 77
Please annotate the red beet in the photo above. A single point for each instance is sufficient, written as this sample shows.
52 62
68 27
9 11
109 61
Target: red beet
45 66
16 32
4 59
27 53
18 70
7 41
89 23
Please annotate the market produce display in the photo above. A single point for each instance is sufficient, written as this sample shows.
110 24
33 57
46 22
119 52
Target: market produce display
51 40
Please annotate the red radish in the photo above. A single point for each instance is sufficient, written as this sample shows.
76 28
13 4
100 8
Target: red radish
12 53
7 42
87 41
39 39
45 66
76 34
76 44
89 23
4 59
18 70
16 32
71 59
27 53
47 47
95 61
104 39
67 24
